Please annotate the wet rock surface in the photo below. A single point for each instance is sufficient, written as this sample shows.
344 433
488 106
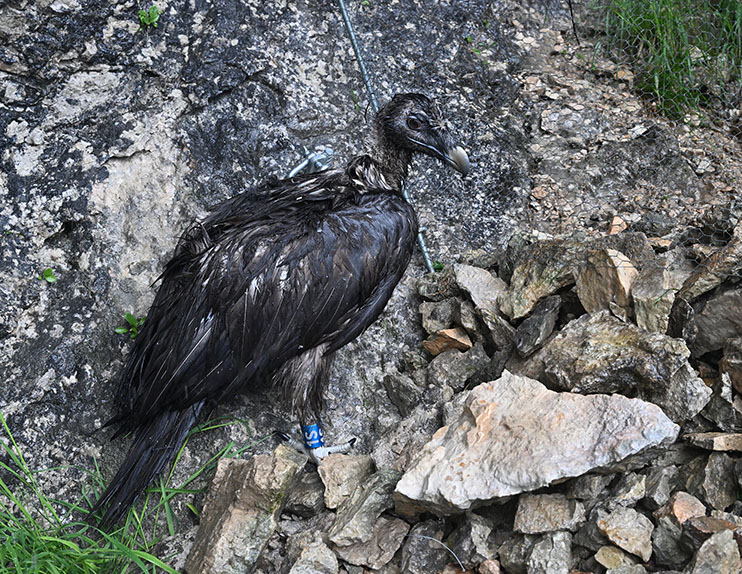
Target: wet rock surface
595 248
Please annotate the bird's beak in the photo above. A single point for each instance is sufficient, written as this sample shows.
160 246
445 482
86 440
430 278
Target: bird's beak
456 157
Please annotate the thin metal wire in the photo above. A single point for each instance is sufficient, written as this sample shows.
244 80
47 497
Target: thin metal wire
375 105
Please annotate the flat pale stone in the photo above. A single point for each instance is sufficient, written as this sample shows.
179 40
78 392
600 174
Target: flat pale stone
514 435
720 441
629 530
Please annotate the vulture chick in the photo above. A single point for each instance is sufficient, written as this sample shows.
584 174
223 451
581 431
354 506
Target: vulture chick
262 292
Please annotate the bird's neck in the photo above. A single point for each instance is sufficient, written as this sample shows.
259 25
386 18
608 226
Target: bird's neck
394 163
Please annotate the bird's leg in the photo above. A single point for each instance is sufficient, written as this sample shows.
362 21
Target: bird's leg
314 443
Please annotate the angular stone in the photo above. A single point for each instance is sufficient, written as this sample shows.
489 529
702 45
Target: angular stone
589 535
539 513
437 316
447 339
552 554
241 510
402 391
396 448
731 362
629 530
423 550
659 486
719 441
357 517
341 473
484 288
718 555
654 290
588 486
628 569
667 550
316 558
612 557
470 541
387 537
535 329
489 567
514 552
629 490
604 281
454 368
599 353
545 268
698 529
726 262
681 507
719 320
307 498
514 436
724 408
716 483
437 286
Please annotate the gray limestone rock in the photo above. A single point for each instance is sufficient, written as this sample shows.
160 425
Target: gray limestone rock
604 281
315 558
437 315
341 474
724 408
536 328
660 484
718 555
731 362
402 391
629 490
241 510
718 441
538 513
514 552
654 291
629 530
551 554
357 517
487 453
307 498
397 447
423 550
715 482
589 486
719 320
599 353
612 557
454 368
388 535
698 529
470 541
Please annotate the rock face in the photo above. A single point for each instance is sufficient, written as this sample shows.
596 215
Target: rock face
241 511
487 454
598 353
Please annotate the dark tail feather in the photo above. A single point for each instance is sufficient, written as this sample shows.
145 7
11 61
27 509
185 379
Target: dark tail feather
155 445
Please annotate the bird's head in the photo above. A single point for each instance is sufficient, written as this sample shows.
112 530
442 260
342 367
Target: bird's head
412 122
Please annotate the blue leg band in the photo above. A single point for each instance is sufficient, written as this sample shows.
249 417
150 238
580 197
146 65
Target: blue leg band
313 435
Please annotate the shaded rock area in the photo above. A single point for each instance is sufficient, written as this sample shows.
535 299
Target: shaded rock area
564 396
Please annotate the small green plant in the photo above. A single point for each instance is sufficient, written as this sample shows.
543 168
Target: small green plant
48 275
437 266
149 17
133 327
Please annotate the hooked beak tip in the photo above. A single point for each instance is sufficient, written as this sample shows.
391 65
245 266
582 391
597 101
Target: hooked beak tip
458 160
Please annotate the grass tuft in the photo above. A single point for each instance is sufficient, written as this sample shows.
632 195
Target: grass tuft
684 52
41 535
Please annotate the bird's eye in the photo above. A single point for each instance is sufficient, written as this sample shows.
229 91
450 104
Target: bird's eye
413 123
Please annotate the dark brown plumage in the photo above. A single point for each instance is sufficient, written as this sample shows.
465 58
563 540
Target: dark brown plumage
267 287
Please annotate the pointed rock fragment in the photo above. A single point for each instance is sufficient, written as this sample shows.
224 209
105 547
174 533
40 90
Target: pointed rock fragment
514 435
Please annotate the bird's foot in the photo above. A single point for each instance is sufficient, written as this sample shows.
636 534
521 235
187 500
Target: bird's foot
314 445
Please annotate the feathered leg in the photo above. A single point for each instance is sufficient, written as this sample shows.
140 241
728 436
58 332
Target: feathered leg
155 445
303 380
